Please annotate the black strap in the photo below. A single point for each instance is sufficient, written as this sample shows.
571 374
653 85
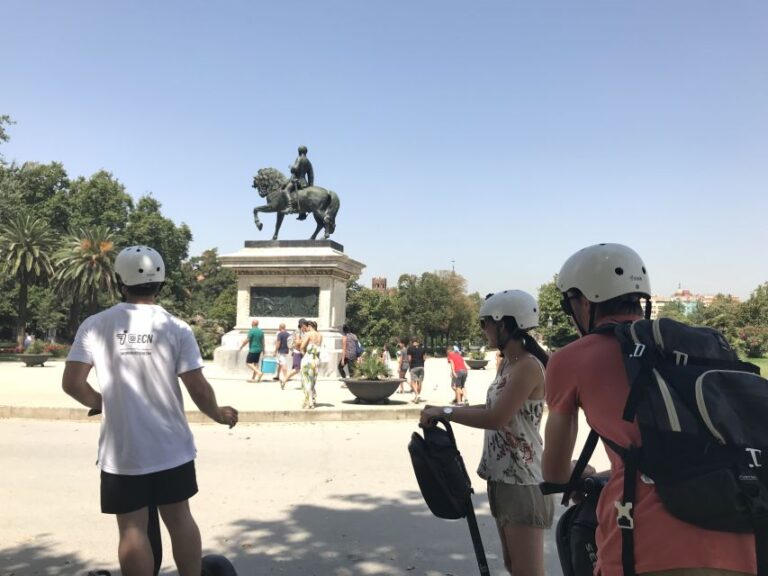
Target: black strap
761 551
477 541
581 464
625 513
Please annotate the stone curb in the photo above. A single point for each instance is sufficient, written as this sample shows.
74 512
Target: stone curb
317 415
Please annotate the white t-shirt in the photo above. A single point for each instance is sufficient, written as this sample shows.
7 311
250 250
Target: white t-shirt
138 351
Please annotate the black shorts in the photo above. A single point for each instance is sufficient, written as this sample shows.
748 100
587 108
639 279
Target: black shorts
121 494
459 379
253 358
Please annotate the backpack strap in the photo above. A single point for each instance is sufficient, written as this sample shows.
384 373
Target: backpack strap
625 512
761 551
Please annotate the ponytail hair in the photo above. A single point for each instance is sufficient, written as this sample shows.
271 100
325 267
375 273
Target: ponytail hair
529 342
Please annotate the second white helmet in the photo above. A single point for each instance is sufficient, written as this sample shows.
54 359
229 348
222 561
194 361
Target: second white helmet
604 271
515 303
139 265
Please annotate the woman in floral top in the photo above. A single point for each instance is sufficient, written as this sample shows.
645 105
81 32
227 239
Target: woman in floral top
511 417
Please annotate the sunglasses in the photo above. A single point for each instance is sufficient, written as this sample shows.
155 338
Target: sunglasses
483 322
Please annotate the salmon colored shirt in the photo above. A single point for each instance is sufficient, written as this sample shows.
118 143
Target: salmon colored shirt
589 374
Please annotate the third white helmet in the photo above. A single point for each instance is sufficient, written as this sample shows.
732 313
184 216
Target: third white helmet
515 303
604 271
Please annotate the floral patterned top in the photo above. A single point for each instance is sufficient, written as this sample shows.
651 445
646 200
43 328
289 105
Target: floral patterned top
513 454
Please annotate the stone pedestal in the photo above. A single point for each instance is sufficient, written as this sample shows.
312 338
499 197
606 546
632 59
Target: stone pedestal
281 281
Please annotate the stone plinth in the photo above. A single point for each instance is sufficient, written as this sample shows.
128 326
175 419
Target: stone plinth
280 281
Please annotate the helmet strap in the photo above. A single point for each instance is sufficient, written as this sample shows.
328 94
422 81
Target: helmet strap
648 307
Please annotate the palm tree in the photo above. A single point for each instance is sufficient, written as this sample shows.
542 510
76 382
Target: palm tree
26 244
85 267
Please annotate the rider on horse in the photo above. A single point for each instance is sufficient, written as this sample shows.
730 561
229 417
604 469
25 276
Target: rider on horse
302 176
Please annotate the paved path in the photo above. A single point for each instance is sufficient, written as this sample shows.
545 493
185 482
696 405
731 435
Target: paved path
310 498
326 492
35 392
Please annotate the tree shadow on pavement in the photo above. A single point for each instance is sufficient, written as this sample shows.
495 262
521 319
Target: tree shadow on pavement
367 535
39 559
361 535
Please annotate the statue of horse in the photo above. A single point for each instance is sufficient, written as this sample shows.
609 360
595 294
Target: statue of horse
321 203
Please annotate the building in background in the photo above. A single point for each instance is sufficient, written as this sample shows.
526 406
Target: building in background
689 301
379 284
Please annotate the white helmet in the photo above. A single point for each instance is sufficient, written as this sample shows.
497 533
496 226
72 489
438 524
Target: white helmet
139 265
604 271
516 303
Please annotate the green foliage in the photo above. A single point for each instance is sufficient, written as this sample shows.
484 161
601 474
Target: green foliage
26 245
5 121
435 306
755 340
85 266
56 350
477 355
762 363
722 314
372 315
560 331
208 335
371 367
675 311
101 200
36 347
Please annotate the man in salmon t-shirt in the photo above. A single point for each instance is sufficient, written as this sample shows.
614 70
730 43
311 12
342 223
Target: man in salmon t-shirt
600 284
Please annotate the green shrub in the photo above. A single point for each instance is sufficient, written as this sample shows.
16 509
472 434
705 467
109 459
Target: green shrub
371 367
36 347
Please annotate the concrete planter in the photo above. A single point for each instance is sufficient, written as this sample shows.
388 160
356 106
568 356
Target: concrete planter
34 359
476 364
372 391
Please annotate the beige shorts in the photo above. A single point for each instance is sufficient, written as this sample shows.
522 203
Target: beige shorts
520 505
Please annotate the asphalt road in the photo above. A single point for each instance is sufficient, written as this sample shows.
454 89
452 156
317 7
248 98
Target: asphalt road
312 498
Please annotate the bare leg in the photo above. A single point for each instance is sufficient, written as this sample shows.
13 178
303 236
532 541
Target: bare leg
134 550
185 537
523 550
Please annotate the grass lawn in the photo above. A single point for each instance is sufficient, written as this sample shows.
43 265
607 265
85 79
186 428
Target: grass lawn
762 362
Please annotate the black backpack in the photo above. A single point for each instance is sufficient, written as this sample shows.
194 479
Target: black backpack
444 482
703 419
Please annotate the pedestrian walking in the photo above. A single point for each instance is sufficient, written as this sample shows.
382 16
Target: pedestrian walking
255 342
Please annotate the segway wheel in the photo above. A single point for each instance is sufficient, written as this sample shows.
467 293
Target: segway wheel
217 565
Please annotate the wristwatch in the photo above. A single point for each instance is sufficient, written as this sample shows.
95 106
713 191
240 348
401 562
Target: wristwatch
447 412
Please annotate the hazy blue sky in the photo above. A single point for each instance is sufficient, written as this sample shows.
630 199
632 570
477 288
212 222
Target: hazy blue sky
499 135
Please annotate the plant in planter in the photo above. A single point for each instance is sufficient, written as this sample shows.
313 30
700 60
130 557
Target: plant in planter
372 381
477 359
35 354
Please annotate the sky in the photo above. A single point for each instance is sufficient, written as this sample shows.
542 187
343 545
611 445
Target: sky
494 138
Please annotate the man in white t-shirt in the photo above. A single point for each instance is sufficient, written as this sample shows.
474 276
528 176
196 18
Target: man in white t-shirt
146 449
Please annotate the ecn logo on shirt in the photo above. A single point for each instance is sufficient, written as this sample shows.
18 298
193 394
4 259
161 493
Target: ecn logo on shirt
124 338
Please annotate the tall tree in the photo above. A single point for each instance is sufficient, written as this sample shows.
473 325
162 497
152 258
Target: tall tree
85 267
26 246
147 225
99 200
373 315
555 326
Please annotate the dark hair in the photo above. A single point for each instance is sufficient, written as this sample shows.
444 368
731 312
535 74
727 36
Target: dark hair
624 304
529 342
148 289
345 329
312 323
